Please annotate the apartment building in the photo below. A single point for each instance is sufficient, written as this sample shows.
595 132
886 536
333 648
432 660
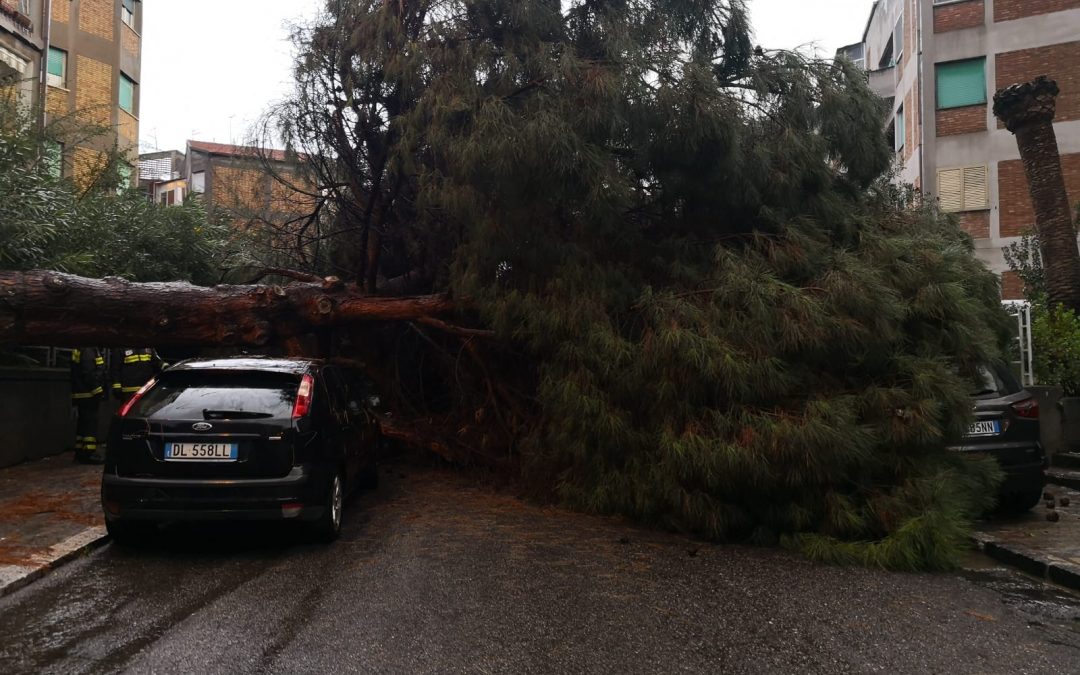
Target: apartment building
22 40
938 64
161 177
250 184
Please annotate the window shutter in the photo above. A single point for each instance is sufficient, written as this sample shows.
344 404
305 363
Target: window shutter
56 62
951 189
127 94
961 83
975 192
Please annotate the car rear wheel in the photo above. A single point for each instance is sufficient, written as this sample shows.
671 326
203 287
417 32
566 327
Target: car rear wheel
126 533
328 526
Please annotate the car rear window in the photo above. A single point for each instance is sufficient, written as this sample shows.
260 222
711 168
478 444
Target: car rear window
994 381
190 394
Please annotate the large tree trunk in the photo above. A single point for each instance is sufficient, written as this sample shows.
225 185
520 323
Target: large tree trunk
49 308
1028 111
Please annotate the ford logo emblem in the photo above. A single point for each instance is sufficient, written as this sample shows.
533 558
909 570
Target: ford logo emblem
202 426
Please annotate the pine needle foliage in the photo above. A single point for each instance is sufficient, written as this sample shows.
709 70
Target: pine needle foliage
737 327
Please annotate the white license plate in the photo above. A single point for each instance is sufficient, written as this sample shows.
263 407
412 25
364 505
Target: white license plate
200 452
984 428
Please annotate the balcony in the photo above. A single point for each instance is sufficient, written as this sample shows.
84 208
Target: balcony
883 81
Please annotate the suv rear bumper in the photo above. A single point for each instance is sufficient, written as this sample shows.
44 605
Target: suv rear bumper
298 495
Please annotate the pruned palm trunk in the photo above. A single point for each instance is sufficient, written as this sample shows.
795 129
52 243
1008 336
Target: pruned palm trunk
1028 111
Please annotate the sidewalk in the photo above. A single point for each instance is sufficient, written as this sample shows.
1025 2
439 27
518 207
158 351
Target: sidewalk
1048 550
49 512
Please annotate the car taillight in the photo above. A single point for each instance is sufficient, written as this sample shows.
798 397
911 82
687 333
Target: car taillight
1028 408
135 398
303 398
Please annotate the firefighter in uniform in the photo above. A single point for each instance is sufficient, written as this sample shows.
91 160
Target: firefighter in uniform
130 369
87 392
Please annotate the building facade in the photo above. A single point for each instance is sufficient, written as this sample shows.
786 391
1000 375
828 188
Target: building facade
938 64
93 67
22 42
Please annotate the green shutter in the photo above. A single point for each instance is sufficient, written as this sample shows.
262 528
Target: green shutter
961 83
56 62
127 94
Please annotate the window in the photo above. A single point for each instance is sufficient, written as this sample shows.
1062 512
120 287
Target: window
54 158
900 132
961 83
57 67
127 94
24 7
887 60
127 13
963 189
198 182
898 38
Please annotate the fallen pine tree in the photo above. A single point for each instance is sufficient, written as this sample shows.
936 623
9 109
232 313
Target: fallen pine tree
695 297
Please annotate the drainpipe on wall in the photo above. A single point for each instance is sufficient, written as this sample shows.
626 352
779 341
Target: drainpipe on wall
43 75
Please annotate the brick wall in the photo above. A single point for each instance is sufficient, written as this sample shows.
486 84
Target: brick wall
128 132
129 40
1007 10
961 15
97 17
1012 288
966 120
93 95
86 165
56 101
1014 200
61 11
239 189
1061 62
976 223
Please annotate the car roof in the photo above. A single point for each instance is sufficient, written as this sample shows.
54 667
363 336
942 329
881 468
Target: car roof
274 364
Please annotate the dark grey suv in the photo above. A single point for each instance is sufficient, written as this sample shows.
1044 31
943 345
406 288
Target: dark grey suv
239 438
1006 427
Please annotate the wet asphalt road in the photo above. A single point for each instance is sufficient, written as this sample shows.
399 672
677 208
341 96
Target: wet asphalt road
434 575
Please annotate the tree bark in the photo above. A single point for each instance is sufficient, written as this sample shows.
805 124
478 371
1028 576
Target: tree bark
50 308
1028 112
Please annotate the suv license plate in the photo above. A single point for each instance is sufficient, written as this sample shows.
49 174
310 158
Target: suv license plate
984 428
200 452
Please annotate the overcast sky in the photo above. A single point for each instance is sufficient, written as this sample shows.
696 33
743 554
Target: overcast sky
210 67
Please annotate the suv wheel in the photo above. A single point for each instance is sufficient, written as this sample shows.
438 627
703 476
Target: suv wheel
328 526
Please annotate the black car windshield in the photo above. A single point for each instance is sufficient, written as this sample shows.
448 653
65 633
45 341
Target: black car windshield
218 394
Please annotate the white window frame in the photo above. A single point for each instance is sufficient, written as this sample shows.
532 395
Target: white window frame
128 18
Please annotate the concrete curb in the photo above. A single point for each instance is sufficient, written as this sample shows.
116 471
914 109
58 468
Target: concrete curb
14 577
1037 564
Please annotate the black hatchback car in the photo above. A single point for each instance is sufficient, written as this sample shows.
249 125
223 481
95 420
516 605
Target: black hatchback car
1006 427
244 438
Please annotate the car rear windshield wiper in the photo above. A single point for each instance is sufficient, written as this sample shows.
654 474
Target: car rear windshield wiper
233 414
984 392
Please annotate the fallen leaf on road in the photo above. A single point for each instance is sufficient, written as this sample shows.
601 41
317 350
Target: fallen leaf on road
980 617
